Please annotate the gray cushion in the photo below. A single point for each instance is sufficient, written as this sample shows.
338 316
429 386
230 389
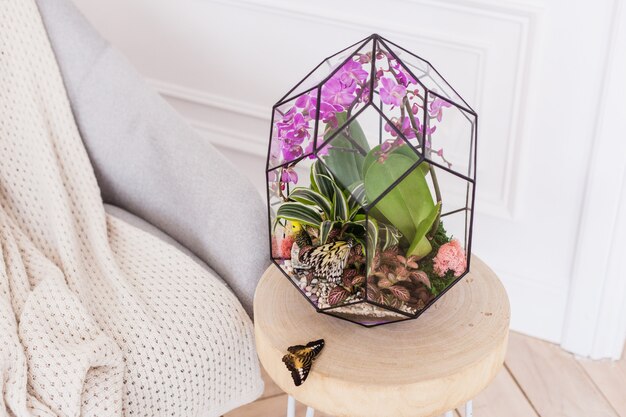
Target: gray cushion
150 163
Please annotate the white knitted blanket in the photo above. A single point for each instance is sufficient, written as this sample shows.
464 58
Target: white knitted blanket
97 318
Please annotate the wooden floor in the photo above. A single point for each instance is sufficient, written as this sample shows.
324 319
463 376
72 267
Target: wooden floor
538 380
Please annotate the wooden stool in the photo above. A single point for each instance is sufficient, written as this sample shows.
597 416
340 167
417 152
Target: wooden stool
416 368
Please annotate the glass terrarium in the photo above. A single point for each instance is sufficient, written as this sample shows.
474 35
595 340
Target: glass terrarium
370 184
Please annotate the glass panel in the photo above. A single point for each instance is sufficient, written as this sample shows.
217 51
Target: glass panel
327 67
367 314
345 93
370 186
293 130
400 97
450 136
351 151
454 192
317 237
426 74
401 228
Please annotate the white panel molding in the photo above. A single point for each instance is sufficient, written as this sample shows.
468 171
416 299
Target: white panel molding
596 314
206 99
301 12
229 138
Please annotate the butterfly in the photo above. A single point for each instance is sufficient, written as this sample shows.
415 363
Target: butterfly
325 261
300 358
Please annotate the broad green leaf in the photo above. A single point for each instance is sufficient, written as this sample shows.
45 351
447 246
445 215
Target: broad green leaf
409 202
405 150
346 151
421 246
309 197
299 212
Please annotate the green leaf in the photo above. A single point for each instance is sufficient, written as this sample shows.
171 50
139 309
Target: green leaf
340 205
420 246
389 235
309 197
346 151
325 228
299 212
356 198
405 150
371 225
322 181
409 202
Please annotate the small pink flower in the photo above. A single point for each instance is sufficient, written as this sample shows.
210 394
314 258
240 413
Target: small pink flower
450 257
281 247
285 247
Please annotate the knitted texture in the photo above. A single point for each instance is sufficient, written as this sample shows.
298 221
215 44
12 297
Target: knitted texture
97 318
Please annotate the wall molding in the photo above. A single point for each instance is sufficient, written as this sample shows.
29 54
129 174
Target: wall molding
206 99
596 321
229 138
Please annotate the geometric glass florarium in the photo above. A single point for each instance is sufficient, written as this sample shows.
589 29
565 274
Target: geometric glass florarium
371 175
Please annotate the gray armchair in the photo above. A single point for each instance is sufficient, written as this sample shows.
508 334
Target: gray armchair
153 170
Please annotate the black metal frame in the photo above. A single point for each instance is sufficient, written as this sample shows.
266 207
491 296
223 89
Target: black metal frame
378 41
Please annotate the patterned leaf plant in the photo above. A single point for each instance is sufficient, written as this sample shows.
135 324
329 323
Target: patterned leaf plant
334 211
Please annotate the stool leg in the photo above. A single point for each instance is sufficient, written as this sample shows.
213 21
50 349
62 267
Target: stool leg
469 412
309 412
291 406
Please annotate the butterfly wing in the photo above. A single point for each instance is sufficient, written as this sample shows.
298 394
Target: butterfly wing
316 346
328 260
313 348
300 358
299 366
295 349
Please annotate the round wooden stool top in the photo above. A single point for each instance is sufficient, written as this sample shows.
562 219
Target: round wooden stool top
415 368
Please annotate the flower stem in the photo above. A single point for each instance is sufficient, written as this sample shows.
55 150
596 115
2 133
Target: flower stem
431 169
418 135
435 226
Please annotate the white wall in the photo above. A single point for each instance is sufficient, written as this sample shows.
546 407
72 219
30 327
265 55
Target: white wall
535 71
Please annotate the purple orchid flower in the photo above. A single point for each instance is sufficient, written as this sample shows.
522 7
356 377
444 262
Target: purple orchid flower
328 113
405 78
350 71
292 131
429 131
365 58
336 92
289 175
436 108
297 131
321 152
308 103
405 128
391 92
